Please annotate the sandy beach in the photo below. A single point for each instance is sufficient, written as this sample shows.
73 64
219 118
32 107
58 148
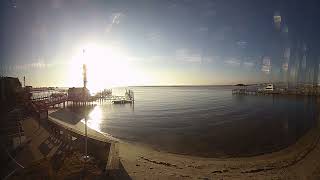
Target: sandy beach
298 161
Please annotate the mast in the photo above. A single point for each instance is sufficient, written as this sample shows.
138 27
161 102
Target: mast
85 76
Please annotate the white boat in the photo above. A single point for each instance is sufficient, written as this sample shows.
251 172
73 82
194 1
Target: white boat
122 101
269 87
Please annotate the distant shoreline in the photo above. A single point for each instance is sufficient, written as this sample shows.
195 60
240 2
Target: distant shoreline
181 86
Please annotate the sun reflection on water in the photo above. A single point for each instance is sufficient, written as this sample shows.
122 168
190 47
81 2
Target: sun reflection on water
95 118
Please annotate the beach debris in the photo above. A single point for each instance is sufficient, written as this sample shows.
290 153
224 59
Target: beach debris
160 162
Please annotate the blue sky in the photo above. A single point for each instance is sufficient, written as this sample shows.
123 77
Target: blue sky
164 42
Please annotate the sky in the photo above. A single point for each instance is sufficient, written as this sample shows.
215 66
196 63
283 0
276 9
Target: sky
150 42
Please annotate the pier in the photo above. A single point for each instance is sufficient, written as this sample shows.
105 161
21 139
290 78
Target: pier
299 90
44 102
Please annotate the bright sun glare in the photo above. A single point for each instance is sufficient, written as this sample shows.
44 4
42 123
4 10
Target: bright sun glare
95 118
106 67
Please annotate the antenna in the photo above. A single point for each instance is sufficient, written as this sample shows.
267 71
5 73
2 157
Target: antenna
84 72
85 76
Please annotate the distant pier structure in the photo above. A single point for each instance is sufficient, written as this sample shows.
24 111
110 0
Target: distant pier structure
80 95
276 89
76 96
128 98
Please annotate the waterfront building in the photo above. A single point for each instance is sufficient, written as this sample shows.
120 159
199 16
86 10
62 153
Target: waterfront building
78 94
9 89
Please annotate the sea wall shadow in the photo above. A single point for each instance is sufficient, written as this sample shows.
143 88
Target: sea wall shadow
66 116
119 174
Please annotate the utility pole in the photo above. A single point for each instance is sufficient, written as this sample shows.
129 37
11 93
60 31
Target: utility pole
84 71
84 75
86 139
85 158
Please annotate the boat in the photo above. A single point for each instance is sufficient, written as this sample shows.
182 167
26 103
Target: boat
128 98
121 101
269 87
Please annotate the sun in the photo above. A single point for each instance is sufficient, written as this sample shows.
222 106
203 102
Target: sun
106 67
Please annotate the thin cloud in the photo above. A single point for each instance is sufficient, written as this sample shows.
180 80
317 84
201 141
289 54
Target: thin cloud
202 29
233 62
187 56
115 20
209 59
248 64
209 13
23 67
242 43
154 36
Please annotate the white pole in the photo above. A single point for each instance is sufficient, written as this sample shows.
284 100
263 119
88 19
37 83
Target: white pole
86 140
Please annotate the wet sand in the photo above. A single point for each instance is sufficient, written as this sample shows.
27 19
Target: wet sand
298 161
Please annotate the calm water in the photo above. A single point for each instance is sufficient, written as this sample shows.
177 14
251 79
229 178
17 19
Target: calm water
207 121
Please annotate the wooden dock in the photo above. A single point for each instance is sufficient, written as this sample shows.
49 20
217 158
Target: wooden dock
43 103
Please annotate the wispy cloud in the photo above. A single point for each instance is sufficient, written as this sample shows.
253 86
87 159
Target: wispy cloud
181 55
266 65
24 67
209 59
242 43
209 9
202 29
233 62
114 20
248 64
172 5
188 56
155 36
209 13
194 58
